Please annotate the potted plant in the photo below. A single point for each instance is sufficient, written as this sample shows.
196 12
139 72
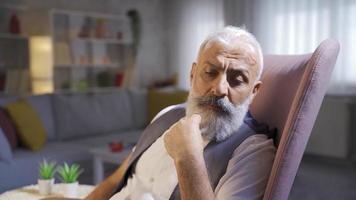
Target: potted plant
46 174
69 175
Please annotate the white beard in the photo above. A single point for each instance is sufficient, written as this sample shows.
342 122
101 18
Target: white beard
215 124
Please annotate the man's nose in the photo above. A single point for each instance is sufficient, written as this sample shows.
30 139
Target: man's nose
221 86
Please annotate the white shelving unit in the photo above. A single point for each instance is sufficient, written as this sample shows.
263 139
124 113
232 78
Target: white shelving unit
14 54
91 50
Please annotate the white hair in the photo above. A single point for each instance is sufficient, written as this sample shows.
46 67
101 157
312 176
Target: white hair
229 34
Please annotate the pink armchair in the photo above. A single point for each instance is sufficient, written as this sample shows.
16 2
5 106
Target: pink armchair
290 98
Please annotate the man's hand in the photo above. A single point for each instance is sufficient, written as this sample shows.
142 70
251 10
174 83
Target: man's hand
184 143
183 140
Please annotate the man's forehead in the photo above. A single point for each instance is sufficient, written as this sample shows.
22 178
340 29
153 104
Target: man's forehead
237 48
238 55
238 52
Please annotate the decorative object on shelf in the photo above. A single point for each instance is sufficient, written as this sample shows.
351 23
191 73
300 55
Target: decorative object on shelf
119 79
85 31
135 34
14 25
104 79
80 54
100 54
69 175
116 146
41 64
46 177
100 28
81 85
135 22
65 85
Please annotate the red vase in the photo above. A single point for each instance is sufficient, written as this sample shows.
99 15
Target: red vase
119 79
15 25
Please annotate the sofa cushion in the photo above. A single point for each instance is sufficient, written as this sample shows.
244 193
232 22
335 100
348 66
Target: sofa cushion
28 124
44 108
5 149
83 114
138 100
8 128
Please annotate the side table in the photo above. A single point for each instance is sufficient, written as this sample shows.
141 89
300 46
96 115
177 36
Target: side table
102 155
31 192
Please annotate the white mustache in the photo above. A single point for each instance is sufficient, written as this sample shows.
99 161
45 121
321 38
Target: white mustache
223 105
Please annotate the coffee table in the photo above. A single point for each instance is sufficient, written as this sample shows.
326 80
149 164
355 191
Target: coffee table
104 155
31 192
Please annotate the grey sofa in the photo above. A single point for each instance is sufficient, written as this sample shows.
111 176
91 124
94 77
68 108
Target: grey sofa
76 122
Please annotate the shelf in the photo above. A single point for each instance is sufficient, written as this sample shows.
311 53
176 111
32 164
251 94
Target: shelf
102 40
87 14
88 66
12 36
91 89
91 50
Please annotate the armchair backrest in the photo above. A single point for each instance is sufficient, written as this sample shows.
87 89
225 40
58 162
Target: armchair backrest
289 100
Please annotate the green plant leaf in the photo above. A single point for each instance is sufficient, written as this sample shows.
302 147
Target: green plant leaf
47 169
69 173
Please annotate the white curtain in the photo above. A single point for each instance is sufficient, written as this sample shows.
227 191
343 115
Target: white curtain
190 21
298 26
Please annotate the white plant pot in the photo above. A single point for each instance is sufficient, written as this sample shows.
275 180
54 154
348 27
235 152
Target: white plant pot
45 186
70 190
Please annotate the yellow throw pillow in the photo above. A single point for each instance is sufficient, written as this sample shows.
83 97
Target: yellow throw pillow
160 99
30 129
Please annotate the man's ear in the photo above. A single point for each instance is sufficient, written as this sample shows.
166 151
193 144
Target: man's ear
256 88
192 72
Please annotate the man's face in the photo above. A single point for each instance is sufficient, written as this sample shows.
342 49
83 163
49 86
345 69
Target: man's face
223 85
226 71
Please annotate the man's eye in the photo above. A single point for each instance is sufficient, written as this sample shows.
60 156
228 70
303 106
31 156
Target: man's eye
236 81
211 73
239 79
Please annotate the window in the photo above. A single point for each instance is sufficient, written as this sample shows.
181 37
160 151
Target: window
298 26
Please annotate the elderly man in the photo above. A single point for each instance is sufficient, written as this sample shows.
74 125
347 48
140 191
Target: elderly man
210 148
